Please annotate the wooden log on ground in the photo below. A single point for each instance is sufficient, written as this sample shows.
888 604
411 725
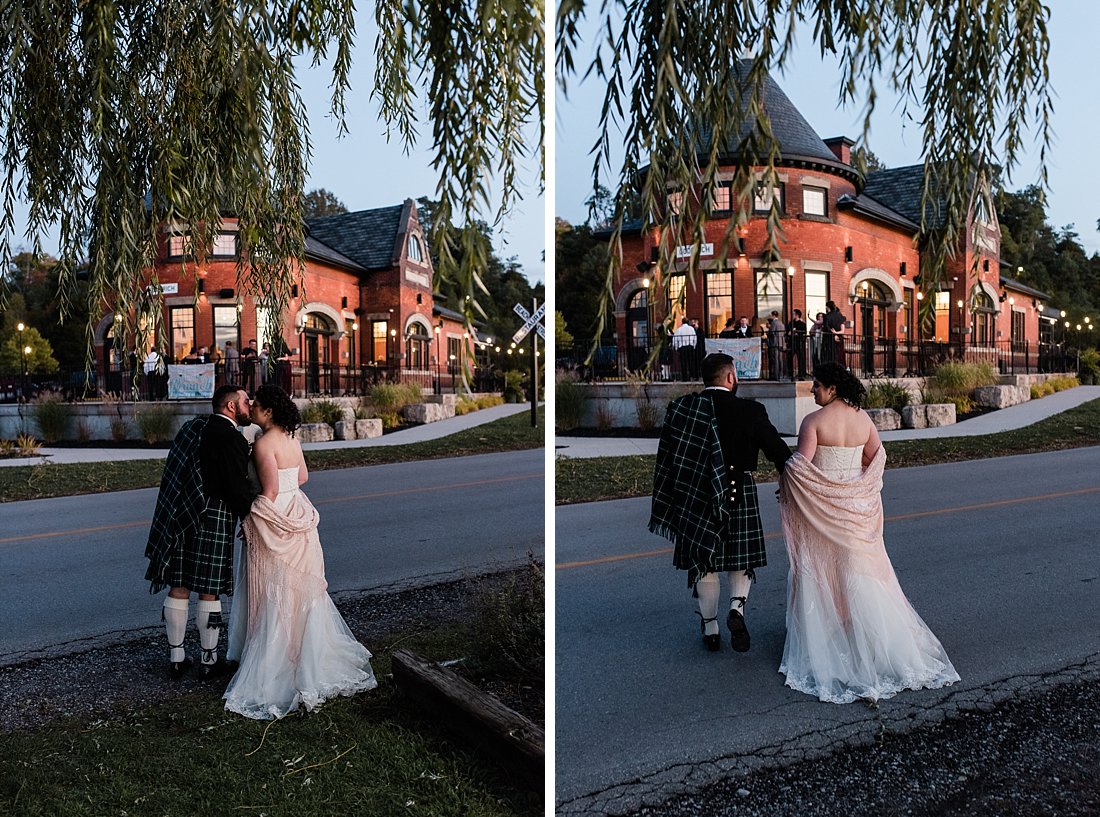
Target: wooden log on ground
508 737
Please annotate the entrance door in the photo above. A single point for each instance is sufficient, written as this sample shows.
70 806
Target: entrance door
638 330
316 335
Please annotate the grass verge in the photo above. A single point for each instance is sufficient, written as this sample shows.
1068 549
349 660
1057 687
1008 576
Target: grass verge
601 478
375 753
512 433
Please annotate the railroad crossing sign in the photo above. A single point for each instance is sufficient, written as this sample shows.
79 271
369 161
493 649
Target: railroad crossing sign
529 322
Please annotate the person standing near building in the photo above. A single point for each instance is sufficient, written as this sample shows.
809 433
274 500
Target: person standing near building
248 366
817 335
796 346
777 345
729 330
743 329
833 349
700 345
204 491
704 495
683 341
232 363
262 362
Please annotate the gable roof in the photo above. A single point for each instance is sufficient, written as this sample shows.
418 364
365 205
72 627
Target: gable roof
323 252
367 237
900 189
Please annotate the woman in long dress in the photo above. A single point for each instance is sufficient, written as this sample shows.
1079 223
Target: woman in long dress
297 649
851 632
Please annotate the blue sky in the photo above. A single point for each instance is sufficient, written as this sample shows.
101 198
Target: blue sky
812 85
365 171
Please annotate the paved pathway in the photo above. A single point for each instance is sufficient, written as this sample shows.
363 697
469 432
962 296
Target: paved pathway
1007 419
415 434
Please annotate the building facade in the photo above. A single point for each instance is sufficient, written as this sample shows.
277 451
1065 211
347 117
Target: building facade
363 310
846 238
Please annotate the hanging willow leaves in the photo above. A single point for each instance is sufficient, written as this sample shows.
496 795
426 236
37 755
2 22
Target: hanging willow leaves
120 118
974 75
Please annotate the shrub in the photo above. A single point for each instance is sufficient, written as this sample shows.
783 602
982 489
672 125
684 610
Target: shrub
324 411
511 621
120 429
960 379
1089 367
963 404
53 416
513 386
310 413
569 398
1064 382
156 424
390 419
392 397
464 406
489 400
887 395
27 445
83 433
7 448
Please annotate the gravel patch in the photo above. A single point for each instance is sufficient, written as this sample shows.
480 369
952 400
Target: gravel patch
132 673
1036 756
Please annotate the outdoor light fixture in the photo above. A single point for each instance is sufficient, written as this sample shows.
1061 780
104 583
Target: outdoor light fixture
344 301
847 253
293 290
902 269
1011 301
20 326
741 247
790 271
354 326
202 285
959 303
645 282
985 265
920 295
1063 314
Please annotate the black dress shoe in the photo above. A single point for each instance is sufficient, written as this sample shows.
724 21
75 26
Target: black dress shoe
177 669
739 632
711 642
219 669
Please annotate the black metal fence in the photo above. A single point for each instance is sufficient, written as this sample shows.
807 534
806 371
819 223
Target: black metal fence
865 357
320 380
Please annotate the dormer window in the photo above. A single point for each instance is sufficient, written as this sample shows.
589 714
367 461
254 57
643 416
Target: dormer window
416 251
723 197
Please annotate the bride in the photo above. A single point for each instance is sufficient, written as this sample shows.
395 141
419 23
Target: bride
851 633
297 649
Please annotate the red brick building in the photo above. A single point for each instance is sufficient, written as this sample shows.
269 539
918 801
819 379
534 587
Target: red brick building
362 310
847 239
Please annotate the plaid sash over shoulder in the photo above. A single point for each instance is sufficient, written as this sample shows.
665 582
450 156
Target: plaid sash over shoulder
690 505
693 504
191 537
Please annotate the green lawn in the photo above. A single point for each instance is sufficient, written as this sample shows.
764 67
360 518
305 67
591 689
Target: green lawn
599 478
512 433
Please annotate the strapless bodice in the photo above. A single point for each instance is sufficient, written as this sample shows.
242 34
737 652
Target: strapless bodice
839 462
288 486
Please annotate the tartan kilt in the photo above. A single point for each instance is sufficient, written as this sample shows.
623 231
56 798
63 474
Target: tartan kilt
207 566
741 539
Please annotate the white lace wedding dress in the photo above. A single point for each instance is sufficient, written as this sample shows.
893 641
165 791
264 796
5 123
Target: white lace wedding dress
297 649
851 632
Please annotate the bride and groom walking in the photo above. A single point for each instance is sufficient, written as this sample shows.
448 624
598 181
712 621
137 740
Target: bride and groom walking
288 644
851 632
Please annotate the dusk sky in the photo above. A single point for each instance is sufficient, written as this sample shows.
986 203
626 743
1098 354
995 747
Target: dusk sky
812 85
365 171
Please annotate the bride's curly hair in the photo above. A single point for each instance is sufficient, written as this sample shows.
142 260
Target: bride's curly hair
848 386
283 411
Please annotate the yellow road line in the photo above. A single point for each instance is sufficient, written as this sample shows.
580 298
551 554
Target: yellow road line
999 503
358 498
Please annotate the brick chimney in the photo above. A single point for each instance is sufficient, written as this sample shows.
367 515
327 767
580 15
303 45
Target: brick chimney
841 146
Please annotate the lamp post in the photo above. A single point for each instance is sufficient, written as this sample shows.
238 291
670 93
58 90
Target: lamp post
438 358
24 350
962 320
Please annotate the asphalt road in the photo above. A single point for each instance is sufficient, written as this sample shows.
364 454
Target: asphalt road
999 556
72 568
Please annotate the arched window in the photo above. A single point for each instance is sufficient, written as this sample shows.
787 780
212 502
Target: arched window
416 251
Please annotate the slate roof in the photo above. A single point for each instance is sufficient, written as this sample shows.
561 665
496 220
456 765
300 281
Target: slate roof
1016 286
900 190
322 252
797 139
868 206
367 237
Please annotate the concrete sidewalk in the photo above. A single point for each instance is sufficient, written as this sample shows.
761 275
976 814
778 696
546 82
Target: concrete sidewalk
415 434
1007 419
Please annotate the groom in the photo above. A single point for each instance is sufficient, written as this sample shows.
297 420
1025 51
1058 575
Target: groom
704 495
204 492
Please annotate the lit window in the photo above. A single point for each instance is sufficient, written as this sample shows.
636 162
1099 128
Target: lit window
675 202
179 245
723 200
764 196
225 246
675 289
814 201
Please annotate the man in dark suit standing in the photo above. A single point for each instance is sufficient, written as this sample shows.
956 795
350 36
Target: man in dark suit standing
743 330
796 346
704 495
204 492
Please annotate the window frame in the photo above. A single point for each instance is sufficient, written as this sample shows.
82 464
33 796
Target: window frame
812 188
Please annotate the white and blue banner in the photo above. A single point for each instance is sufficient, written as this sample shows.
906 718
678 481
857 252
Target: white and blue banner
746 354
191 382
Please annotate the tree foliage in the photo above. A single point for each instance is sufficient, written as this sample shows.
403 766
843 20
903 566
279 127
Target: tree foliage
120 117
319 203
975 73
1049 259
